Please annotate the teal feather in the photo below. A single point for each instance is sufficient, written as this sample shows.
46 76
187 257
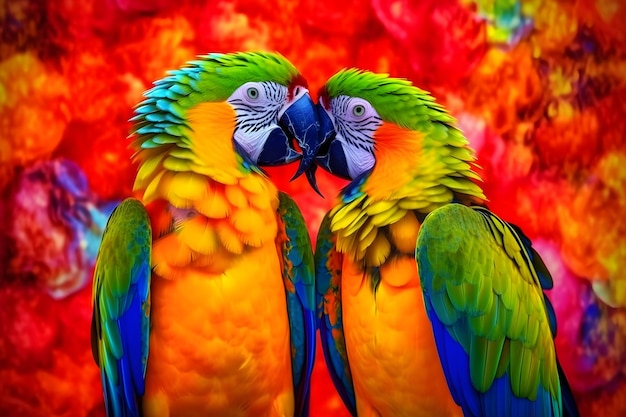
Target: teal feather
331 333
299 270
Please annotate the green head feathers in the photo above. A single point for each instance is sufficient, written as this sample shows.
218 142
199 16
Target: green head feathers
214 77
396 100
219 75
160 119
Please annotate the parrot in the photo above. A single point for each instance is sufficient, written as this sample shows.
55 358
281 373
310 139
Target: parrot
428 304
203 288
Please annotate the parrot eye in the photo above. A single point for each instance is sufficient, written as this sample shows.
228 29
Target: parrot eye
358 110
253 93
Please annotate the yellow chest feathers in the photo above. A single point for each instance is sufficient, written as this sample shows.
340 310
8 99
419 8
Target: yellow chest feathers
369 234
218 224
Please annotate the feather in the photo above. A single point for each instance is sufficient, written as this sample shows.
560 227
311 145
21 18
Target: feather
235 196
403 232
378 251
199 235
214 206
247 220
346 217
229 237
189 186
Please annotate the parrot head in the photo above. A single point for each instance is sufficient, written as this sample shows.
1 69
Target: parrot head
389 136
223 114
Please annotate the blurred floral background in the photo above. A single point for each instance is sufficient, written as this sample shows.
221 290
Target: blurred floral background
539 87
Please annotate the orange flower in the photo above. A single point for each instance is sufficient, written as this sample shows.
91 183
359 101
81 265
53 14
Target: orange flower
248 25
34 110
570 140
319 60
593 226
99 88
529 202
148 47
611 111
46 366
555 25
606 17
505 89
105 157
352 19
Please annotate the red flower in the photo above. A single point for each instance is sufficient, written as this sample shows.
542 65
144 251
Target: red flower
442 40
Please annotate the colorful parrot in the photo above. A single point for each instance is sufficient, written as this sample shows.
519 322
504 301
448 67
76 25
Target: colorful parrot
428 303
204 286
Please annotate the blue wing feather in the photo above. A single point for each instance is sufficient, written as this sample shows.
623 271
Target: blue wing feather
570 409
328 280
299 271
121 297
455 364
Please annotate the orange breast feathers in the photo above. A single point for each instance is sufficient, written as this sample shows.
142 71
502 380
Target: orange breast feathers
215 338
391 348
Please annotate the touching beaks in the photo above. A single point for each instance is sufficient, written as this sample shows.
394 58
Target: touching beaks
314 132
323 137
300 121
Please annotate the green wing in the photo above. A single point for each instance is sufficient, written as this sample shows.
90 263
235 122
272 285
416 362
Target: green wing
328 264
121 309
490 319
299 277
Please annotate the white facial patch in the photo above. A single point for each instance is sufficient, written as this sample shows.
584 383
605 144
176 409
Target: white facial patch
257 105
356 121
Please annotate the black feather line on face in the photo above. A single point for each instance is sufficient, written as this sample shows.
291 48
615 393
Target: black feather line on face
252 118
358 133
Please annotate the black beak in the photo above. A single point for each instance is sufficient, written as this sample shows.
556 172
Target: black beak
300 120
330 154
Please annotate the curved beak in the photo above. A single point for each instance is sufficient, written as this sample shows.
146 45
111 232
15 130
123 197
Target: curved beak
300 120
298 123
313 131
330 154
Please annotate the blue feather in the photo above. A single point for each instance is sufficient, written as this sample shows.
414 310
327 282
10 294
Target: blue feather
128 324
300 310
455 364
130 400
353 190
123 367
336 367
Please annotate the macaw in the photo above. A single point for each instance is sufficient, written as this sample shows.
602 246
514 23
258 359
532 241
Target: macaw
428 303
203 291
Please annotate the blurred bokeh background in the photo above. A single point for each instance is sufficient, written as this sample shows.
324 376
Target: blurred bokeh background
539 87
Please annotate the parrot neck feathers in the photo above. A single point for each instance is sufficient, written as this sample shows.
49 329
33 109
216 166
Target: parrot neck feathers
191 156
415 172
